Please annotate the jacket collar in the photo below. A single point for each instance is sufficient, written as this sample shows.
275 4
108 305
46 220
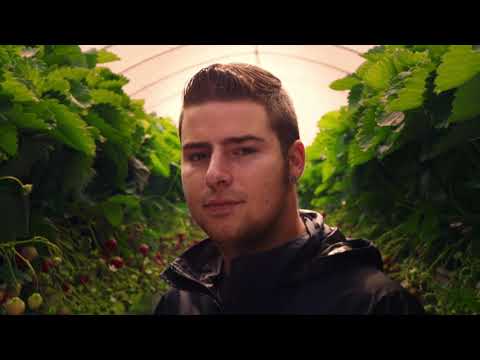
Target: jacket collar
202 263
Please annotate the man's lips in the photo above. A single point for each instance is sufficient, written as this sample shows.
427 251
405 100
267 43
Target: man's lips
221 207
214 203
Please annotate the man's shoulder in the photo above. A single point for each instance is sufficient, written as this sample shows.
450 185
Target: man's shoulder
365 290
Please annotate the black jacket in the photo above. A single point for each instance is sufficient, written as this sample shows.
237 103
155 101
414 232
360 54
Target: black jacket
319 273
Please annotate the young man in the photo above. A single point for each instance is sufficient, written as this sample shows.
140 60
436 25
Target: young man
241 160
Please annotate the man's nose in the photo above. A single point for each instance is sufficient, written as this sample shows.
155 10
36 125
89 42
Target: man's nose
218 172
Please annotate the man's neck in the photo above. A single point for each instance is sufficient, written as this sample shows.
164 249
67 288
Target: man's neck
288 226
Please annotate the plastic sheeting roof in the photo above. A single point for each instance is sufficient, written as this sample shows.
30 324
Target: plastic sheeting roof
158 73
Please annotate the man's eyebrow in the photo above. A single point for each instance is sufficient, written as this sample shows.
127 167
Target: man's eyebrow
227 141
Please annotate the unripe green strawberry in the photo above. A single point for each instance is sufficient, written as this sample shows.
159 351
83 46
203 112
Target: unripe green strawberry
35 301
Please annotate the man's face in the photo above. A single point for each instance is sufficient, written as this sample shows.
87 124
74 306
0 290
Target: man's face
233 171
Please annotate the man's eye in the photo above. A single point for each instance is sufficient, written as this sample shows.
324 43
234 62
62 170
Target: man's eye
196 157
244 151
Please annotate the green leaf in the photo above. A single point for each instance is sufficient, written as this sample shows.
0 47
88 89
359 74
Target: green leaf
159 167
102 96
126 200
71 129
366 136
77 173
345 83
106 129
24 118
458 135
114 85
8 139
411 96
119 161
71 73
18 90
435 51
56 82
113 212
459 64
65 55
355 95
104 56
404 59
379 75
467 101
356 156
375 53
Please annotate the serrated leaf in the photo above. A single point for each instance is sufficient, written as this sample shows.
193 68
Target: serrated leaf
366 134
411 96
379 74
404 59
459 64
55 82
435 51
345 83
104 56
25 119
102 96
71 73
356 156
8 139
374 53
71 129
115 85
19 91
467 101
355 95
65 55
80 95
106 129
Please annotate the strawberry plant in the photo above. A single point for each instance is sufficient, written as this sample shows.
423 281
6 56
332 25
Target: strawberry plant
399 164
88 179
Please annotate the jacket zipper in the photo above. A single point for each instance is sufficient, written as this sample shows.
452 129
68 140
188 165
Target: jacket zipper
209 292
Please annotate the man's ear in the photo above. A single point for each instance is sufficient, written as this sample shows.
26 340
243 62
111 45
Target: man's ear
296 159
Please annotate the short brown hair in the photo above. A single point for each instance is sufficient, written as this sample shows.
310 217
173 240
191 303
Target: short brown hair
231 82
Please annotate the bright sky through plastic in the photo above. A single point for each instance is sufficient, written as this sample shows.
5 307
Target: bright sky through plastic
158 73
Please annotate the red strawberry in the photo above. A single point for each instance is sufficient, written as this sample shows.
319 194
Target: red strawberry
111 244
47 264
117 262
181 237
83 279
144 249
66 287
